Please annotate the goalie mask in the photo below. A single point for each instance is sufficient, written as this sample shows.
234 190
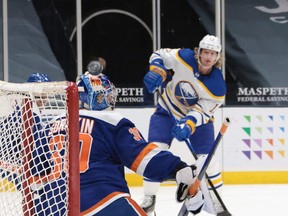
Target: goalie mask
96 92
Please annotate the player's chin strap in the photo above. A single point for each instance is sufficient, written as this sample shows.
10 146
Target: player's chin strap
187 141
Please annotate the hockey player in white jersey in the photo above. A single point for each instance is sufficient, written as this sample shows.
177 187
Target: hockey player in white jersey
195 91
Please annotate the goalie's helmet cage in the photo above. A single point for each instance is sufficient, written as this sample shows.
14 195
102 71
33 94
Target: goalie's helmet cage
37 176
96 92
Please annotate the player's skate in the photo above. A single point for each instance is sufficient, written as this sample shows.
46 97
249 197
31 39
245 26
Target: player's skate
148 205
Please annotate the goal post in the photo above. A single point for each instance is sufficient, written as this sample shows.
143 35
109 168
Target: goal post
39 165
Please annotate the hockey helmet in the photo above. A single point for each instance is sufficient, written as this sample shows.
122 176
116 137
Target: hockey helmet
96 92
210 42
38 77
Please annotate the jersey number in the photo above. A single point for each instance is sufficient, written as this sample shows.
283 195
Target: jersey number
56 145
85 149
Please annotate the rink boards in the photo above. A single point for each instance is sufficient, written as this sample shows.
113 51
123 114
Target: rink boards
253 150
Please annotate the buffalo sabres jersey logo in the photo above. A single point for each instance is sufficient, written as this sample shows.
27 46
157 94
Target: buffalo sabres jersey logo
186 94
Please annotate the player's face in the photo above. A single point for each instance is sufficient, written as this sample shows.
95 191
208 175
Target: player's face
208 57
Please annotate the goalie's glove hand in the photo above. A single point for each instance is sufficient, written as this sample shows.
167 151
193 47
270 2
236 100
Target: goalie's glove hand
184 179
194 204
184 129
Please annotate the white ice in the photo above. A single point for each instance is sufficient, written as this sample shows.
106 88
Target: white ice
240 200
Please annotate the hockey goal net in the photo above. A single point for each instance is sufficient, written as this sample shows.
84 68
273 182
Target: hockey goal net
39 169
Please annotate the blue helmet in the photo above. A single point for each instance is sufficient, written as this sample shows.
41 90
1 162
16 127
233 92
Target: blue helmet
96 92
38 77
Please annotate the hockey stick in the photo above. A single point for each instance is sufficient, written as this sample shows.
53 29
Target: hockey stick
195 157
194 188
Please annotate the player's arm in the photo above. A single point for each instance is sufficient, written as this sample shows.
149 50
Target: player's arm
201 113
212 98
146 159
159 63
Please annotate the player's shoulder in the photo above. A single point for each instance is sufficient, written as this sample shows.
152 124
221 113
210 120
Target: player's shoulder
187 55
186 52
110 117
215 82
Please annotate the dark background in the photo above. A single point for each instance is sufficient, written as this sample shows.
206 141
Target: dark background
122 41
126 45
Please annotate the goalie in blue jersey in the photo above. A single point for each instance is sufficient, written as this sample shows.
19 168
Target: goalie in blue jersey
108 143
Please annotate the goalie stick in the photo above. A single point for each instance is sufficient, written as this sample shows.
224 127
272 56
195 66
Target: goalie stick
183 211
194 188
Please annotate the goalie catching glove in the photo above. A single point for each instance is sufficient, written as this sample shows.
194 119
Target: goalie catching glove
184 129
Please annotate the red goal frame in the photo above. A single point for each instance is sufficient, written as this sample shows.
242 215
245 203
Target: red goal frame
74 174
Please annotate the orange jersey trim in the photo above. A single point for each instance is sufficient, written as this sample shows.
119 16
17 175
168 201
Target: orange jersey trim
142 154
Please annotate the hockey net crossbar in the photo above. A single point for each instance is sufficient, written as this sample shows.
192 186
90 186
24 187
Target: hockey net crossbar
38 171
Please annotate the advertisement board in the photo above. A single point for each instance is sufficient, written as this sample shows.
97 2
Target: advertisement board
256 140
256 49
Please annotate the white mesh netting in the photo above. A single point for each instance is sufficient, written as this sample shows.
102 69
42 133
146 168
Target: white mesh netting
33 166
